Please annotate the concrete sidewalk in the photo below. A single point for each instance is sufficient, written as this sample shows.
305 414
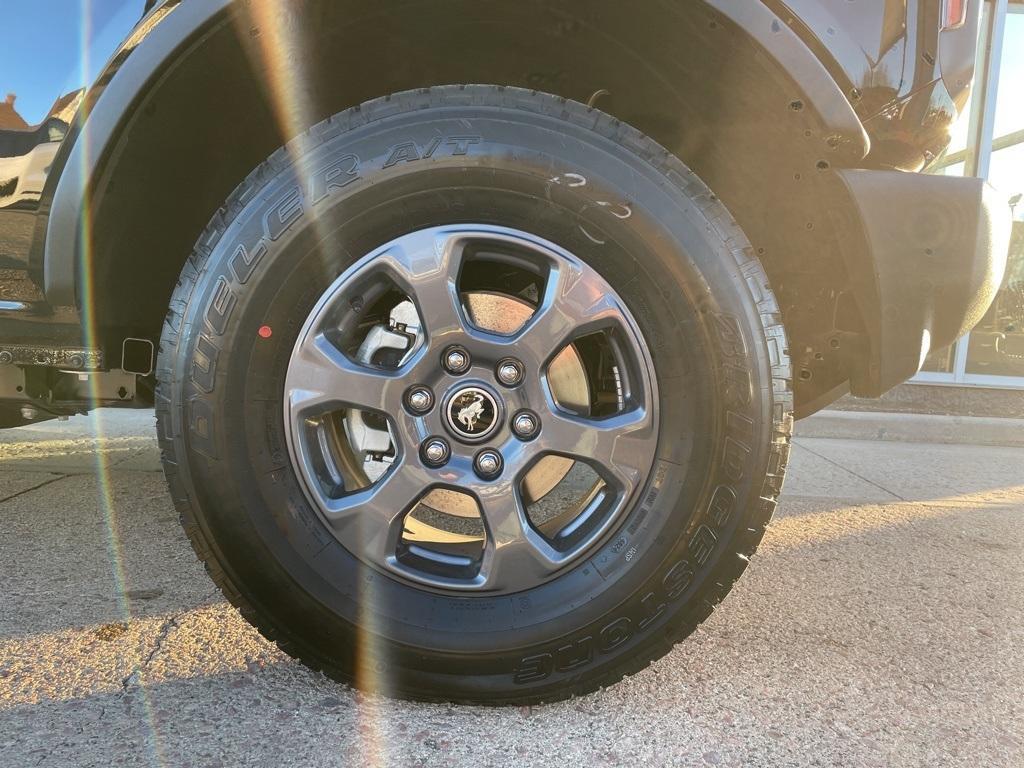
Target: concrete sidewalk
881 623
913 428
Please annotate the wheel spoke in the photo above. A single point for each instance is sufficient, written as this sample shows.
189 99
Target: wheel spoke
321 377
574 304
325 376
514 553
622 446
426 266
370 519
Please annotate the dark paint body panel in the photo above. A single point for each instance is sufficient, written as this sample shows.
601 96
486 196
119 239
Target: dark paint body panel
906 78
883 81
875 53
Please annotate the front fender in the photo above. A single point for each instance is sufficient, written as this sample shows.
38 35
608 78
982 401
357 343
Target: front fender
162 35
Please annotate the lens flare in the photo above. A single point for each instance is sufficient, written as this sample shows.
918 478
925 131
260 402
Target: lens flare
279 55
279 51
371 665
91 339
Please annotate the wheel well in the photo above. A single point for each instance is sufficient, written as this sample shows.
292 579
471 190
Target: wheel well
679 72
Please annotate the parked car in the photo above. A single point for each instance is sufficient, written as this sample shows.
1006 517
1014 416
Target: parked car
476 330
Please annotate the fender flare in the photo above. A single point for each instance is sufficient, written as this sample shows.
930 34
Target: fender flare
823 93
156 42
174 26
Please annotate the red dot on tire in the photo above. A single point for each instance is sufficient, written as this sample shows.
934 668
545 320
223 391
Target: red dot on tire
265 331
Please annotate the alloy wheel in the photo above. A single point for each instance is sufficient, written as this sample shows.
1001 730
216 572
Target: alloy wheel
471 408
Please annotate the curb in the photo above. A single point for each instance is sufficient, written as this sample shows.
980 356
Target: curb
913 428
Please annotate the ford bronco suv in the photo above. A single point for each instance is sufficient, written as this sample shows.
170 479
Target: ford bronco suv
475 330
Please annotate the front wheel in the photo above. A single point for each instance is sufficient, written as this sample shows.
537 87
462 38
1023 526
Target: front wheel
474 393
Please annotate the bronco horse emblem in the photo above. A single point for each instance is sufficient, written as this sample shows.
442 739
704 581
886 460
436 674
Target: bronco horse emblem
469 414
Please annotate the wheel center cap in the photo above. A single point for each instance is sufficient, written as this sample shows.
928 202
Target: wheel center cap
472 413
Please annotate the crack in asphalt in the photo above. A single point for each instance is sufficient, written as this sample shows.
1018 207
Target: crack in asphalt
847 469
34 488
161 635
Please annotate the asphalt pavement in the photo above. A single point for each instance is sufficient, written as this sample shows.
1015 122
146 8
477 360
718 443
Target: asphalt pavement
879 624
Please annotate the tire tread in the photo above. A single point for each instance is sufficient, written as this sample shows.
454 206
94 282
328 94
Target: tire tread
745 542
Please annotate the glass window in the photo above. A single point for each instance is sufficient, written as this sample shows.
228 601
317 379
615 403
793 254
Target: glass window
996 345
1009 108
959 158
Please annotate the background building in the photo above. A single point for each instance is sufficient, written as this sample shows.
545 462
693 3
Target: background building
988 141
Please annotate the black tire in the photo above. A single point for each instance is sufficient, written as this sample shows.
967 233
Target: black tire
680 263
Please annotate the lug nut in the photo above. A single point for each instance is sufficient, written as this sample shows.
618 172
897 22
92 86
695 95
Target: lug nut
456 360
419 399
435 452
509 372
487 464
525 425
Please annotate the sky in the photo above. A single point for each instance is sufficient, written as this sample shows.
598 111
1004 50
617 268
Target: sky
41 44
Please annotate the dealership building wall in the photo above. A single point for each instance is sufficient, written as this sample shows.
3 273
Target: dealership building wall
988 141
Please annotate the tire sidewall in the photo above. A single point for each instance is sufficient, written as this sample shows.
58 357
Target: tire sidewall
304 220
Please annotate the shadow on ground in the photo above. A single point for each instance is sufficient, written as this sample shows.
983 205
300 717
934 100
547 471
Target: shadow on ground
879 624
